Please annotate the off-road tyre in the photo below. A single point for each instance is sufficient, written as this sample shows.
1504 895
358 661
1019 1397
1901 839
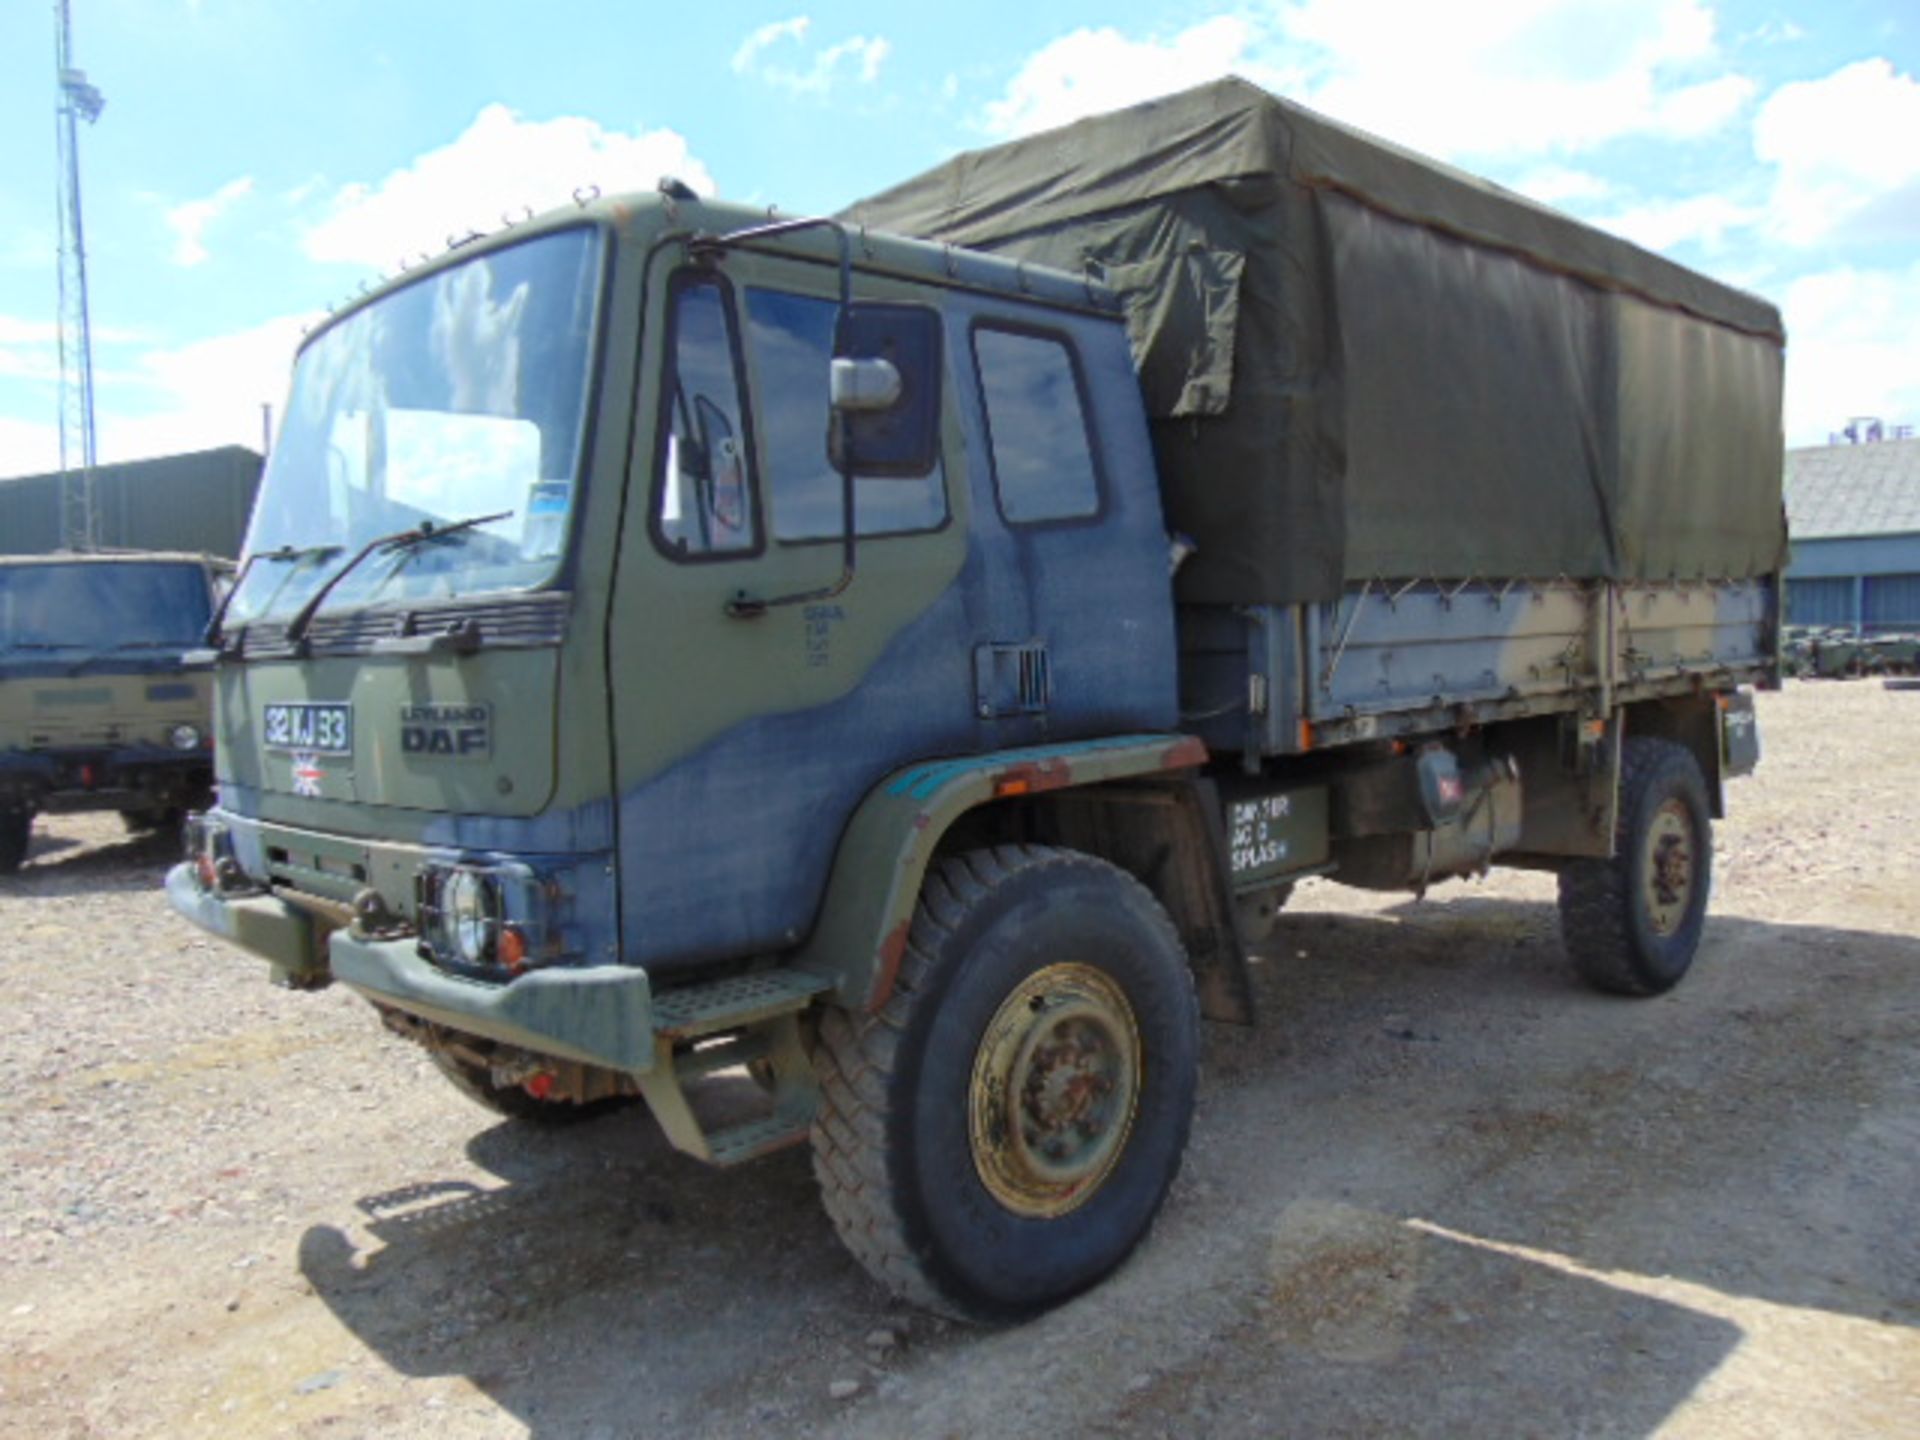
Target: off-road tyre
16 838
912 1178
1610 910
515 1102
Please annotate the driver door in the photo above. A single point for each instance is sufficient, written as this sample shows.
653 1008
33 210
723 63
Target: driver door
746 729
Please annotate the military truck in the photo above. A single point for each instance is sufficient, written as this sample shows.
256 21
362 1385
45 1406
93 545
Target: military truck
677 645
97 709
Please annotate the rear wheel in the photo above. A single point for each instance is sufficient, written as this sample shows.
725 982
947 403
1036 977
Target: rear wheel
1633 923
16 835
1001 1135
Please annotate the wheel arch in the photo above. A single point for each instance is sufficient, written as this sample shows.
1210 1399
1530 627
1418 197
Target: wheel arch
1136 801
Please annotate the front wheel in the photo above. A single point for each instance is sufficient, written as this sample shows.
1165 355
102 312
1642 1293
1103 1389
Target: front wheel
1001 1135
1633 923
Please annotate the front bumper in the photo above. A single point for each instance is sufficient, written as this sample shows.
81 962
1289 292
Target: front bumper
284 937
598 1015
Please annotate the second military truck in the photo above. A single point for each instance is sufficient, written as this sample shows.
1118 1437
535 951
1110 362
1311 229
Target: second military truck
97 710
913 671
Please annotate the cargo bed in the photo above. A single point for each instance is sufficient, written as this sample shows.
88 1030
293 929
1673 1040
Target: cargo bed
1387 660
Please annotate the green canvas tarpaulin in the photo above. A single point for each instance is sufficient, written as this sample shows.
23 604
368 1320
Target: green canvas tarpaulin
1361 364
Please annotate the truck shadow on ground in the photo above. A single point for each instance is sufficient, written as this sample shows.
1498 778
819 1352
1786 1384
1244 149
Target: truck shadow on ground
59 864
1388 1194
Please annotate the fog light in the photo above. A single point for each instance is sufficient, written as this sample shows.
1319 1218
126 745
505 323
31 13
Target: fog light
184 737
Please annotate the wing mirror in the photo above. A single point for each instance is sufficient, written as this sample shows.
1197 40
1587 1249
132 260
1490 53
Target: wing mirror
885 388
864 386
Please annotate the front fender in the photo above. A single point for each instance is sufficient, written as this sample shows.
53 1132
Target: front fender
888 844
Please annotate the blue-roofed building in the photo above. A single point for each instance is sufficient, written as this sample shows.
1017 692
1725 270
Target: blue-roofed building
1853 512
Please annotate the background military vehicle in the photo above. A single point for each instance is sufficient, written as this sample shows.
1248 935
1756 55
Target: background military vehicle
97 709
1840 654
675 641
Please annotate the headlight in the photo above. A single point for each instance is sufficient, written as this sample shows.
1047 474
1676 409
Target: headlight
470 915
184 737
479 916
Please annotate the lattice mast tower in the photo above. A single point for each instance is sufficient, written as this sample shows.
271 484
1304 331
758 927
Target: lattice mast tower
75 100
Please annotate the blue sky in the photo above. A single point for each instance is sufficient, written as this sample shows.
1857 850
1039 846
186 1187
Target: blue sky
259 159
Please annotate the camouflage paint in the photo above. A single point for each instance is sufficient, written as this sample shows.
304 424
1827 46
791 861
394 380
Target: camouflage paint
739 723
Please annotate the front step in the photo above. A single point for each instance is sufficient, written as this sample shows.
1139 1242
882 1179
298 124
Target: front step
765 1009
737 1144
696 1010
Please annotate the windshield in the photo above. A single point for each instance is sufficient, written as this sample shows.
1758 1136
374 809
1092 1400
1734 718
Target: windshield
96 607
463 394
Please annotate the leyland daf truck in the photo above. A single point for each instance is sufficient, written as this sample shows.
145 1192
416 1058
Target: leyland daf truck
909 656
97 709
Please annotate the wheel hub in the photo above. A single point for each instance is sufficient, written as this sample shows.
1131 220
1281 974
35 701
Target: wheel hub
1056 1080
1668 881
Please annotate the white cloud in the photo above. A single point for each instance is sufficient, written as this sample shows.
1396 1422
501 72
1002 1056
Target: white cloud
200 395
1516 77
160 402
1696 111
189 221
30 349
1776 32
1495 79
1088 71
501 164
1702 220
1559 185
859 57
1850 349
28 447
1846 148
15 331
768 35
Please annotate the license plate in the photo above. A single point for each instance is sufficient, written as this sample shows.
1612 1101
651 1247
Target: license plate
324 729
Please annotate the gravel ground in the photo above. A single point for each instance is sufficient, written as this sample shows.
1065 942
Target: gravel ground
1440 1190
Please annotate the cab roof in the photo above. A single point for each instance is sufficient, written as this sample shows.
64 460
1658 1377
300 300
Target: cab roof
651 215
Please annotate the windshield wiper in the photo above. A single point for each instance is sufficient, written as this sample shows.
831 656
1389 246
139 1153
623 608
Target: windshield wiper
212 635
403 540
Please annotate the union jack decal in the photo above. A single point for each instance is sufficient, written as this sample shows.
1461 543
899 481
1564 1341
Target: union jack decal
307 774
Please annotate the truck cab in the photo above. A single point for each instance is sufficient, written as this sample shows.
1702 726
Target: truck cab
98 710
592 599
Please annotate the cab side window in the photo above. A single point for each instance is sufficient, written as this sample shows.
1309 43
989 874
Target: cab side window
1042 450
791 340
704 505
